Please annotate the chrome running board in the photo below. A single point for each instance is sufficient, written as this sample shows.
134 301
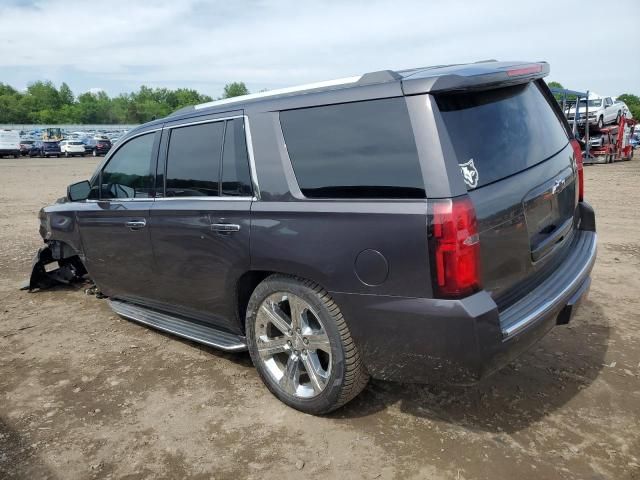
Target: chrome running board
183 328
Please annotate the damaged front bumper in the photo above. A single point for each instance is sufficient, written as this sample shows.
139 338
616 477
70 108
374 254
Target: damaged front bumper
69 268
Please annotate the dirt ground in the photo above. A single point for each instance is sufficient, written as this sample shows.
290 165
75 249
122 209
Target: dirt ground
86 394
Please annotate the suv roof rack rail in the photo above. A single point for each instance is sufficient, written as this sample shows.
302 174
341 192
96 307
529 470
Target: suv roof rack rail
381 76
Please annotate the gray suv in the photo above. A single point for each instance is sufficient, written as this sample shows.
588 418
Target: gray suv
424 225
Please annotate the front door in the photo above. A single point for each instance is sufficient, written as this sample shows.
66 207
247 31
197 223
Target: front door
200 227
114 224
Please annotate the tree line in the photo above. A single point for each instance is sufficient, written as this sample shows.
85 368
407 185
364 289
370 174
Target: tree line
43 103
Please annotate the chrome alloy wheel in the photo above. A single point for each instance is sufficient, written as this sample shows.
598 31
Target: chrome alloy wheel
293 345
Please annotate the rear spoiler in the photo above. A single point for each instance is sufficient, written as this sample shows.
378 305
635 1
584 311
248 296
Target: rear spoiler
478 76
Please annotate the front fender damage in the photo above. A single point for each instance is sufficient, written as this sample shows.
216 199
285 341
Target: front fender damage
69 267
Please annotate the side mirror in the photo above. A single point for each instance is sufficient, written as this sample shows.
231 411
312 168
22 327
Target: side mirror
78 191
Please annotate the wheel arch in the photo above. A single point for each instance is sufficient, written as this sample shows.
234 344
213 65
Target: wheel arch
248 282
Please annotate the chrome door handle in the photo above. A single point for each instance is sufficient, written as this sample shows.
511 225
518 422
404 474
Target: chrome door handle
136 224
225 227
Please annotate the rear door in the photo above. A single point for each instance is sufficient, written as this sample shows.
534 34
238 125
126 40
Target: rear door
114 223
514 153
200 227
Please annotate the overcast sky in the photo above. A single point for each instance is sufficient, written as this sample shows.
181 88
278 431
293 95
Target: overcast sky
204 44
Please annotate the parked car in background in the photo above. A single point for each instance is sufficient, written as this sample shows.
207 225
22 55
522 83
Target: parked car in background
10 143
36 149
422 225
50 149
97 147
25 146
72 147
602 111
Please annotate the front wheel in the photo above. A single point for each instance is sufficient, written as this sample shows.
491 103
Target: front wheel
601 122
618 118
301 345
95 153
66 154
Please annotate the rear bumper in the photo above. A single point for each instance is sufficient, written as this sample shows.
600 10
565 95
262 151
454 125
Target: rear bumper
461 341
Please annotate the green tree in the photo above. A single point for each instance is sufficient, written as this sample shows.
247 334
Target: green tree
66 95
555 85
633 102
45 95
235 89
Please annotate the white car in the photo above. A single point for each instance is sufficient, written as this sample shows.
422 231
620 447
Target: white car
625 110
602 111
9 143
72 147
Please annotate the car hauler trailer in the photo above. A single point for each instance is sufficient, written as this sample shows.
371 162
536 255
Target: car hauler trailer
613 144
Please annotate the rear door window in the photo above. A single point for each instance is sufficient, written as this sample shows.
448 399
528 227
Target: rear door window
498 133
354 150
193 160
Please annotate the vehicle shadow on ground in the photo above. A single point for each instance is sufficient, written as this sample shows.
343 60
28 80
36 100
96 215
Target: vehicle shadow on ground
18 458
530 388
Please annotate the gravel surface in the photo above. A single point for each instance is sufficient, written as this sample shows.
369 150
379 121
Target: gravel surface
86 394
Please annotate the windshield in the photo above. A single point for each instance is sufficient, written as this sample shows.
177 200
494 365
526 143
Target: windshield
592 103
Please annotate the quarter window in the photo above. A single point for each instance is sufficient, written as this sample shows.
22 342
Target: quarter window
128 173
354 150
193 160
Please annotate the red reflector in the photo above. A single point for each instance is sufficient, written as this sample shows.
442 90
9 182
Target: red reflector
524 70
455 248
577 152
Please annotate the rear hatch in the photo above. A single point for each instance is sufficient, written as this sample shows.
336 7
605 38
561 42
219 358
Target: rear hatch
514 153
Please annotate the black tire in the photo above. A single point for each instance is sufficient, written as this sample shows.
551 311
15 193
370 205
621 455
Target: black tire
95 153
601 122
66 154
618 117
348 376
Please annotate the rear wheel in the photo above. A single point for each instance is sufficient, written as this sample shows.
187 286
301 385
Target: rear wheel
66 154
95 153
618 118
301 345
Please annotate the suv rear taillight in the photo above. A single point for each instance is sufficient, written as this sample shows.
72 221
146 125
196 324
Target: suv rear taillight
455 248
577 152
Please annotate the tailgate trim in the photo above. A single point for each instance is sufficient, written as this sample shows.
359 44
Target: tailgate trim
575 267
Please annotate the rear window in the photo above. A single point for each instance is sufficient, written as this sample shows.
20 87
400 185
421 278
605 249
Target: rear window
498 133
354 150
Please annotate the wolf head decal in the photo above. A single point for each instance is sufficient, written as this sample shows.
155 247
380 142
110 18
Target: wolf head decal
470 173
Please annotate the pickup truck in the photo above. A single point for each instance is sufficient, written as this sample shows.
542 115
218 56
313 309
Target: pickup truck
602 111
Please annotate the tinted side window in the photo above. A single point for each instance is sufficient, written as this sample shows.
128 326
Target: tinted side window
193 160
354 150
128 173
236 179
